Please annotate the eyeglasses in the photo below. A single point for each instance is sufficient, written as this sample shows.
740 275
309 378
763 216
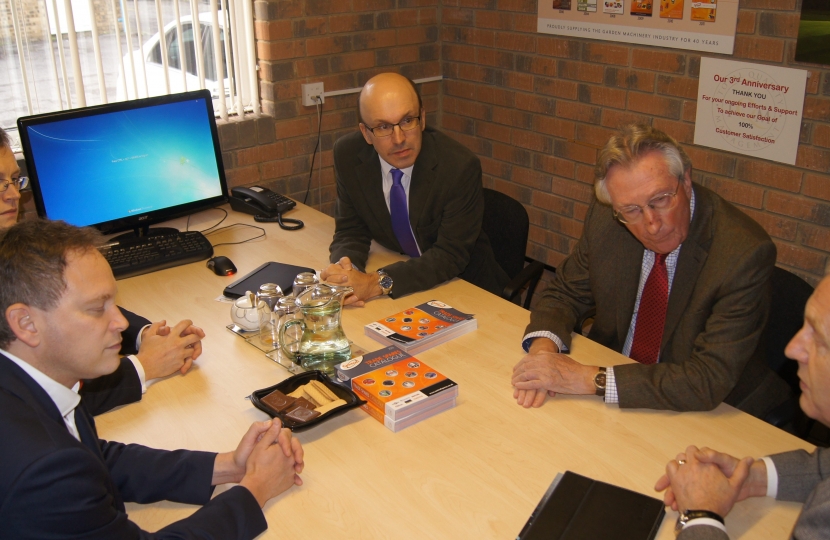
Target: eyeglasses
659 203
407 124
20 183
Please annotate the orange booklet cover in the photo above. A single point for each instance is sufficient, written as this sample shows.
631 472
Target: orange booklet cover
403 388
418 328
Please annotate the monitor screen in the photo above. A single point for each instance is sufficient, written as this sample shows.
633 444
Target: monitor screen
125 165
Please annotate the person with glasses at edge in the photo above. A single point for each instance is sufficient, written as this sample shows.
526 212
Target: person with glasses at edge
414 191
151 350
679 279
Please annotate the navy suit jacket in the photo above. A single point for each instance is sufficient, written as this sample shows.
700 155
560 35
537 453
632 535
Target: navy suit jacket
123 385
54 486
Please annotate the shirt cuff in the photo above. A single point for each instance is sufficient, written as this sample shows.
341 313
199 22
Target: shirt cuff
528 339
140 370
772 478
611 395
138 337
706 521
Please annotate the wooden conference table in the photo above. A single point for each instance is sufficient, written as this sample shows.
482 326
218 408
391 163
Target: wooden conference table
475 471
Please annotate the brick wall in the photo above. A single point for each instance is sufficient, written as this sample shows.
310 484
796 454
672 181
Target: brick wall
341 43
536 106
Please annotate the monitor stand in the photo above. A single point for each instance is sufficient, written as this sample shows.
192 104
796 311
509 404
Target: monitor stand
140 232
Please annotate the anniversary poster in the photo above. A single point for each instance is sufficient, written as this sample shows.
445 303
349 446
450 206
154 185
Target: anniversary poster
697 25
750 109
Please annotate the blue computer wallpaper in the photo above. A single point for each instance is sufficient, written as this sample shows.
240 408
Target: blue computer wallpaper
104 167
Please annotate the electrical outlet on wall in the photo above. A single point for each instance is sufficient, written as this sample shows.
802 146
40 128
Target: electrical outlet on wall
311 90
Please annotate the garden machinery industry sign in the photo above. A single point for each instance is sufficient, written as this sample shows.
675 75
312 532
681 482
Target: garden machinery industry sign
695 25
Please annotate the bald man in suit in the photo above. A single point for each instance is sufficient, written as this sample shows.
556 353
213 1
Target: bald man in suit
432 211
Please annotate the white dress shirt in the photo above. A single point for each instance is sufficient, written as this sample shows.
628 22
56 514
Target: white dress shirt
65 399
136 363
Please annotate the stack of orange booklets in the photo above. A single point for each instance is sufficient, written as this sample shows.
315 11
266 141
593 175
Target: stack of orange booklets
400 390
421 327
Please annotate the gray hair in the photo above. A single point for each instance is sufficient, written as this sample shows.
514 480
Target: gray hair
633 142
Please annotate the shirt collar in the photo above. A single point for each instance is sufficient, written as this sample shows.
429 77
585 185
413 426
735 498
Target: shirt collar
65 399
386 167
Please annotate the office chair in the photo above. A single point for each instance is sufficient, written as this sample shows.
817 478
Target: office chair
789 296
506 224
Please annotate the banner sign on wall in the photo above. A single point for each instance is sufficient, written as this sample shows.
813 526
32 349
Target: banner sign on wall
750 109
695 25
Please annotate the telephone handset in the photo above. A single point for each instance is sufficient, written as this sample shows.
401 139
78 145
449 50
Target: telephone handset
265 205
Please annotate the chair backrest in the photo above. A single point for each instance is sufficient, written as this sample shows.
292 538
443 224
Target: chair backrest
789 296
506 224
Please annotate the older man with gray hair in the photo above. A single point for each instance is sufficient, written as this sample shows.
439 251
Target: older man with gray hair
679 280
703 484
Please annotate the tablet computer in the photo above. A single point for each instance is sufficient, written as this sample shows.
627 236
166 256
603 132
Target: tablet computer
270 272
576 508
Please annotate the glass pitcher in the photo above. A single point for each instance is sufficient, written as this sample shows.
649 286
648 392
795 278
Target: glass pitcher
323 343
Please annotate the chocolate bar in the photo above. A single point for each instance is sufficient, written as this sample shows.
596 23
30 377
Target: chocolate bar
301 415
279 401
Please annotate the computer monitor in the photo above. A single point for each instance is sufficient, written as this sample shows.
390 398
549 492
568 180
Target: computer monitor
126 165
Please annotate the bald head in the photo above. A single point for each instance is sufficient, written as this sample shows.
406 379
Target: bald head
387 85
387 100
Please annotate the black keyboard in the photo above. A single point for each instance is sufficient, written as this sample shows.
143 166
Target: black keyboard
138 256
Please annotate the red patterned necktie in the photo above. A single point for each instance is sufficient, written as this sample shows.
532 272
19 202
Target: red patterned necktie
651 316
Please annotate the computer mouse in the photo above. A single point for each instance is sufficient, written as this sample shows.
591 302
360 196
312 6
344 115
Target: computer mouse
221 266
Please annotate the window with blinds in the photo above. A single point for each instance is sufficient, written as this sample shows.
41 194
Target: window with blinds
63 54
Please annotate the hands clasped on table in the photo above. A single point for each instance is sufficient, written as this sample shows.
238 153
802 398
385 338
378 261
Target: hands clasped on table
165 350
704 479
343 272
267 461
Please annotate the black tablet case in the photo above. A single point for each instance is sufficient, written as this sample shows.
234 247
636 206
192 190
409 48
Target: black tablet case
270 272
578 508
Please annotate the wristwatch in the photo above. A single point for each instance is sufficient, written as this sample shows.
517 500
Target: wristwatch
689 515
599 382
385 282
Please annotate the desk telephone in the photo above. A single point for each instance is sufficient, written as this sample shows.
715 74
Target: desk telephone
265 205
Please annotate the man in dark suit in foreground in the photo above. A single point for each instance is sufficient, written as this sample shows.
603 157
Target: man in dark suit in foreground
704 484
60 325
414 191
679 279
152 350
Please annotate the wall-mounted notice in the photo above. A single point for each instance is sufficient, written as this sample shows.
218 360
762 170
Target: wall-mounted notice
696 25
750 109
